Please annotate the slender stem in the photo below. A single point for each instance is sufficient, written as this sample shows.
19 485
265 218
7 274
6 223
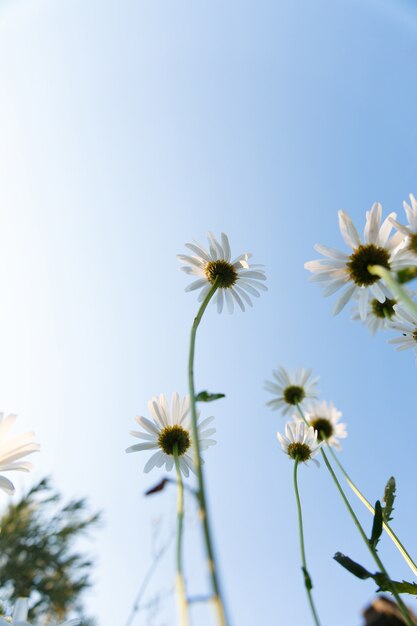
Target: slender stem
181 591
395 287
217 594
137 603
401 605
307 580
391 534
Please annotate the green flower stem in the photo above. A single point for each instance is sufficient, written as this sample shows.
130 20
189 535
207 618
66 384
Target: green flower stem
407 558
307 580
401 605
217 594
181 591
395 287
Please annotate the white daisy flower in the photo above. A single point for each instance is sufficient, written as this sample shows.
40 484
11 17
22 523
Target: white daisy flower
168 430
406 323
324 418
12 450
290 389
379 314
300 442
20 616
237 280
340 270
410 230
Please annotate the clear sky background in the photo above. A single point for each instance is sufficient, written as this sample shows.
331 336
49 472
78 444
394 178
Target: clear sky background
128 128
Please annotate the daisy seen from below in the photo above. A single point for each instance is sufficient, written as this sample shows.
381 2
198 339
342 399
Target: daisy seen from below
20 616
406 324
237 279
379 314
12 450
290 390
324 418
410 230
350 271
300 442
169 433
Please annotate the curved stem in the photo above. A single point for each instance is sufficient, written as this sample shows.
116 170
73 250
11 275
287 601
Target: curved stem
395 287
307 580
217 594
391 534
401 605
181 591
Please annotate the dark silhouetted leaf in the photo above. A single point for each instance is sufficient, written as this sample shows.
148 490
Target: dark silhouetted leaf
158 487
352 567
205 396
377 525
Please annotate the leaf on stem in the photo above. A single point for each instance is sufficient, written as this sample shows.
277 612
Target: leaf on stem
158 487
389 497
307 579
384 583
206 396
376 526
352 567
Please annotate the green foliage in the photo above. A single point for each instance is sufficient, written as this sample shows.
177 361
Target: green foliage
383 582
389 497
377 525
205 396
407 274
37 559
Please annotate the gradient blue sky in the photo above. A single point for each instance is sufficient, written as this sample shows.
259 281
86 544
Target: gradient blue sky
128 128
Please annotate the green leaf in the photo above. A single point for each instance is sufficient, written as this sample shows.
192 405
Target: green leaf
205 396
402 587
407 274
377 525
389 497
307 580
352 567
384 583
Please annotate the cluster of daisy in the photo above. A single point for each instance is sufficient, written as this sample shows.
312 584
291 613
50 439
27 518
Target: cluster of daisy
313 421
168 432
374 302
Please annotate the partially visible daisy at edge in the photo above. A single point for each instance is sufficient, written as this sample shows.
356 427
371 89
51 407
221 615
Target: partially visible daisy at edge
350 271
12 450
300 442
237 279
406 324
410 230
291 389
168 428
324 418
20 616
380 314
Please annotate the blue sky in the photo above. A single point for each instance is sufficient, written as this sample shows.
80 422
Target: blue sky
129 128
